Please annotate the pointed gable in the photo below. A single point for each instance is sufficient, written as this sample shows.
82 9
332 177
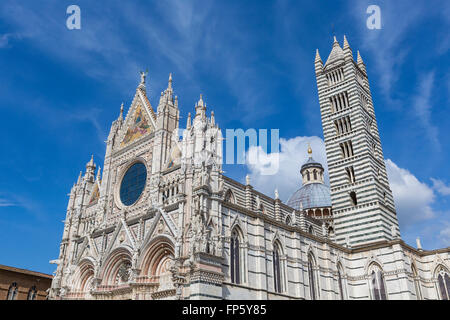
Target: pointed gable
140 120
336 54
138 126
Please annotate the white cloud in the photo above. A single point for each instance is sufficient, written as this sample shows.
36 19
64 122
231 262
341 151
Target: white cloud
441 187
444 234
293 154
413 199
422 107
7 203
386 45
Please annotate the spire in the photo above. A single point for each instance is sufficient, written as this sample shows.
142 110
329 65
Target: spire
318 58
335 43
90 164
346 45
200 108
170 81
121 112
309 150
360 63
200 102
347 50
167 95
318 62
98 173
188 124
359 59
212 118
79 177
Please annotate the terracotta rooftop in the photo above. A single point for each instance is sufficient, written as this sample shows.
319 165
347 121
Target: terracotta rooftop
24 271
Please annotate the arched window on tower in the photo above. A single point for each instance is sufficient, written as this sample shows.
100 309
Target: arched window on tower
353 198
315 174
308 176
377 286
12 291
32 293
277 269
312 278
443 280
236 267
416 280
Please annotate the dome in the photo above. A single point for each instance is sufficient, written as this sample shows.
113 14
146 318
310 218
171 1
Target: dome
313 195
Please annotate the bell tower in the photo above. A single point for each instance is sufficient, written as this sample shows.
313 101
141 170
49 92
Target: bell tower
362 200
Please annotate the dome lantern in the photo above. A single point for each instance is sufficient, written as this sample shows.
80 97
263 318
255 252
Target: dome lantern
311 171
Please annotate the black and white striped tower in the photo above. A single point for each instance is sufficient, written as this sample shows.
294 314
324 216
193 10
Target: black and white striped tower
362 200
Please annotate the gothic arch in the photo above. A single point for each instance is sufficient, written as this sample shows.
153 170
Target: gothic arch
156 256
229 197
237 223
437 263
113 262
84 274
152 234
439 268
238 255
277 240
313 275
339 262
237 226
441 277
279 266
371 261
312 256
377 281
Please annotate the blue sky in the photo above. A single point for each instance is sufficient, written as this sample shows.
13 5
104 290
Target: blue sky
254 63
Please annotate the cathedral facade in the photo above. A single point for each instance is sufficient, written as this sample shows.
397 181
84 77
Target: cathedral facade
162 221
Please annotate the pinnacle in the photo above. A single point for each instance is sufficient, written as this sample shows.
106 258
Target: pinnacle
170 81
200 102
121 111
346 45
91 164
318 58
359 60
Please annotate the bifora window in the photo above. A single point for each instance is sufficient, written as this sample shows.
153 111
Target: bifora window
133 183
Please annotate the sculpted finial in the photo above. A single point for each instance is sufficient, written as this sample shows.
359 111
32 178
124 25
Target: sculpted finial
143 76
